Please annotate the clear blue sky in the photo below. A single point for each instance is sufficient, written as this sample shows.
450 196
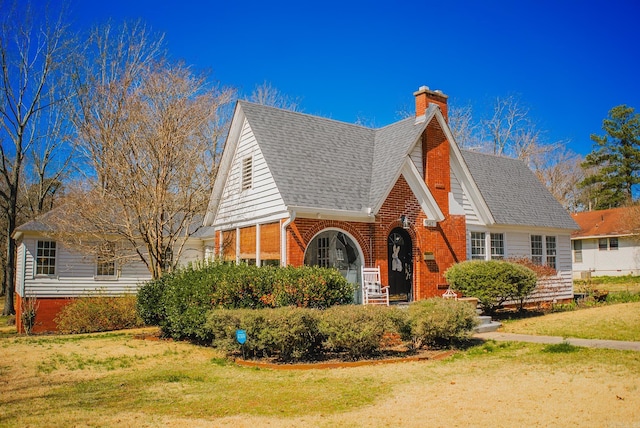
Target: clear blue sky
570 62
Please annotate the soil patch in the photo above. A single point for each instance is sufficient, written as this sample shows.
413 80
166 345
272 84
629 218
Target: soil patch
334 364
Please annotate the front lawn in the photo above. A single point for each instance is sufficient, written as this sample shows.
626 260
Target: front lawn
114 379
613 322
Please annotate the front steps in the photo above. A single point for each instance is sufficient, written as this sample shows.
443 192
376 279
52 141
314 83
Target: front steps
486 324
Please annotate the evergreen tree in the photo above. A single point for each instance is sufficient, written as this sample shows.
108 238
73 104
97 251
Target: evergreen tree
613 167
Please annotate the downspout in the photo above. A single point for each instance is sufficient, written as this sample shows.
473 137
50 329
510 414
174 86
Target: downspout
283 238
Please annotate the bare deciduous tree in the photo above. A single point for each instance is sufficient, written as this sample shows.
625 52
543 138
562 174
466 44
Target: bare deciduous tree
266 94
33 48
150 130
464 128
560 171
511 132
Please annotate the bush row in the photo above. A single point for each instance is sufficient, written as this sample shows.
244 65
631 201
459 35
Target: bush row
98 313
178 302
351 332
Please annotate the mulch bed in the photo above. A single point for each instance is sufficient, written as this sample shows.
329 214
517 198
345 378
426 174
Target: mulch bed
390 356
334 364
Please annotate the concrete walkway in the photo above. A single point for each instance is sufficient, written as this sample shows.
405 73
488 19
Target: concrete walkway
588 343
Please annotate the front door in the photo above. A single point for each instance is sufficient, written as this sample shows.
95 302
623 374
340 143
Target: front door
400 256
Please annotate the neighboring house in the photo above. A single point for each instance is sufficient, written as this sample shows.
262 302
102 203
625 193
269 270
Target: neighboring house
297 189
605 244
54 272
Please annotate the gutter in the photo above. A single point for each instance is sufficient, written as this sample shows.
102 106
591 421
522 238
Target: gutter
283 238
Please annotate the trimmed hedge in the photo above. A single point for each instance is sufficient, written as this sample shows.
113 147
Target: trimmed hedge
347 332
357 331
179 302
439 322
286 334
492 282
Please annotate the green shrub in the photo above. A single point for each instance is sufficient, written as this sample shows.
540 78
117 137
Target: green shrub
357 331
310 287
179 302
286 334
492 282
98 313
622 297
150 305
438 322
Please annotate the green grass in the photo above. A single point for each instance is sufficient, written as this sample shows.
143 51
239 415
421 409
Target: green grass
613 322
627 283
114 379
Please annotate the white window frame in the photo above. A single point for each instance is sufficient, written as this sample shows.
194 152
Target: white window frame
496 237
577 252
616 246
544 257
551 254
478 242
48 257
603 244
112 262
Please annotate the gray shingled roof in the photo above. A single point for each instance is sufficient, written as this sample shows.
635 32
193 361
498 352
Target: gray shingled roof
326 164
513 193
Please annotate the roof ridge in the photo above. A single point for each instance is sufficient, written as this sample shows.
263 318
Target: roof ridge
313 116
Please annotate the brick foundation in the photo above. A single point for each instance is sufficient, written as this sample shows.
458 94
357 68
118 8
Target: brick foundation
47 310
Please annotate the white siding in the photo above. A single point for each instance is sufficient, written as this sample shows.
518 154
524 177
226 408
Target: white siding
75 275
416 158
560 287
517 245
463 200
192 251
20 269
623 261
262 199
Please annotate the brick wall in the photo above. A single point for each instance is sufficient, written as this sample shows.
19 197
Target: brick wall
47 311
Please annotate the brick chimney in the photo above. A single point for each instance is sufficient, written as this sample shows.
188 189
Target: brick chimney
425 96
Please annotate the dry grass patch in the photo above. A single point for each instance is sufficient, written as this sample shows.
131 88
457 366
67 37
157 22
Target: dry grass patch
112 379
612 322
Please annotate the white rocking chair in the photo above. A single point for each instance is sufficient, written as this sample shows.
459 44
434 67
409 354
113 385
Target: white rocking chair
373 292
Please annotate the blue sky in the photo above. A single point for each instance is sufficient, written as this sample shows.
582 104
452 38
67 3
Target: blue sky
570 62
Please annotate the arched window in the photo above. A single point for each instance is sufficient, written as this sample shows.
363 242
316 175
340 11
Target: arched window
334 248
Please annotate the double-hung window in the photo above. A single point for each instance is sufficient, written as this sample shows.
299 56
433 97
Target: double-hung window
46 258
551 251
537 253
497 246
106 260
577 251
478 251
544 250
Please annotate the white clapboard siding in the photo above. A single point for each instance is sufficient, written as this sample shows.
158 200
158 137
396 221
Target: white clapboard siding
625 260
559 287
20 255
463 200
416 158
262 199
75 275
517 245
192 251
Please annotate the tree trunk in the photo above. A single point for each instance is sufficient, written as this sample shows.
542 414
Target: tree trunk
10 268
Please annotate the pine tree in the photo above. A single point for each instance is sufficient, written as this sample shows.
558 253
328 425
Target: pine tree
613 167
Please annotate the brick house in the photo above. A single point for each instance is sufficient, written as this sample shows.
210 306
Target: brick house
297 189
300 189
